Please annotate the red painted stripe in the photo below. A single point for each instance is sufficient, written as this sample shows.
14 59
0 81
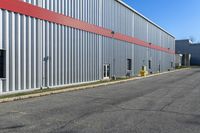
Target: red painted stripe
34 11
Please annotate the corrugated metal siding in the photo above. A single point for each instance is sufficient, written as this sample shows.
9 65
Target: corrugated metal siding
140 31
22 40
75 56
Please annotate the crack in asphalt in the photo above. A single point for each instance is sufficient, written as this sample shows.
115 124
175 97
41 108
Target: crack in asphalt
73 121
115 102
12 127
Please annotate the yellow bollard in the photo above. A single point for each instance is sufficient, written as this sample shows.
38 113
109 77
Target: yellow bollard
144 71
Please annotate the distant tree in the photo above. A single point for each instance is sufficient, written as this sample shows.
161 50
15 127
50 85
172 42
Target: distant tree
193 39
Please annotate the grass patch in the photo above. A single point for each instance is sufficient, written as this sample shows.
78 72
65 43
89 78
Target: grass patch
181 67
123 78
21 94
61 88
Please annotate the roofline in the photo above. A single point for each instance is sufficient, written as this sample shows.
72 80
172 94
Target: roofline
182 39
192 43
129 7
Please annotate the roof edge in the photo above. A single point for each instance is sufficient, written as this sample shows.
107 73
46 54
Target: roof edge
130 8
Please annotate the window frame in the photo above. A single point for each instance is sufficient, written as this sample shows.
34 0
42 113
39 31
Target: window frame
3 71
150 64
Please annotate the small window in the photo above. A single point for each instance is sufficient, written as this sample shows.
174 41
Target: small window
159 68
149 64
129 64
2 64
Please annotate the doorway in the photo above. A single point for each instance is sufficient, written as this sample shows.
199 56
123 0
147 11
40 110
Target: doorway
106 70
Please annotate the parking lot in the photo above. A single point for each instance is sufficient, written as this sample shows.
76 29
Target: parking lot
168 103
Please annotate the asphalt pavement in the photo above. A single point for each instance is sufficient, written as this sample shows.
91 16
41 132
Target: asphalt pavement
168 103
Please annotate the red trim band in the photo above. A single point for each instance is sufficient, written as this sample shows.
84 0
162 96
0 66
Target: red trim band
27 9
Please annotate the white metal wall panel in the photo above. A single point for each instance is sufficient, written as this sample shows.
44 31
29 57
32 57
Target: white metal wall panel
41 53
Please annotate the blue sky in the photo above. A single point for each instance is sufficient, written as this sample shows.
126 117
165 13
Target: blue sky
179 17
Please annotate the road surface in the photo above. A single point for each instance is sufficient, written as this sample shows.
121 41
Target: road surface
169 103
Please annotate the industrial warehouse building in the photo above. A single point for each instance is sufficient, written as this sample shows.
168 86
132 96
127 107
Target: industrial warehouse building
49 43
188 48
